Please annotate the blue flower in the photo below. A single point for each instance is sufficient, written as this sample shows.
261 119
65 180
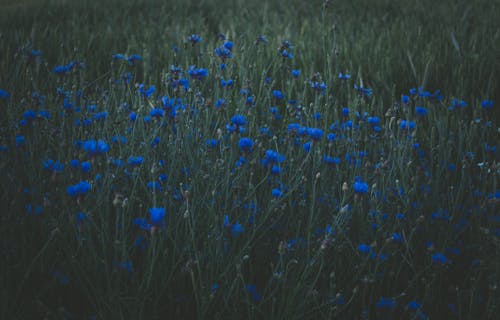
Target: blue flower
318 86
135 161
386 303
157 216
405 99
277 193
194 38
228 45
20 140
345 76
4 94
197 73
238 120
86 166
360 187
237 229
364 248
79 189
146 92
366 92
278 94
421 111
440 259
485 104
254 294
331 160
315 133
223 53
295 73
246 144
95 148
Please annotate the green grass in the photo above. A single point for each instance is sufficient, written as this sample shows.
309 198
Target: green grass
436 186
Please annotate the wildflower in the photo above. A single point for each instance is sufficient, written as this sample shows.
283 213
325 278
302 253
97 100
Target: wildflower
364 248
315 133
413 305
227 84
485 104
197 73
307 146
79 189
318 86
343 76
261 39
295 73
228 45
223 53
237 229
386 303
405 99
194 39
366 92
407 125
278 95
246 144
135 161
54 166
212 143
95 148
20 140
331 160
440 259
146 92
254 294
360 187
86 166
4 94
421 111
277 193
157 216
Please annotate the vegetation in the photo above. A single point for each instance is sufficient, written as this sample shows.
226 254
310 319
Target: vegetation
254 160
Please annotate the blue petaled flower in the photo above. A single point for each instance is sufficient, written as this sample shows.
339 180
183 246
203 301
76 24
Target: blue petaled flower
4 94
421 111
94 147
135 161
254 294
344 76
246 144
238 120
197 73
237 229
223 53
386 303
331 160
79 189
364 248
277 193
278 94
366 92
295 73
194 38
360 187
440 259
157 216
485 104
146 92
315 133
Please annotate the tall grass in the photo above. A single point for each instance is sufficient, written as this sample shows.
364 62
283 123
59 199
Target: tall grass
281 196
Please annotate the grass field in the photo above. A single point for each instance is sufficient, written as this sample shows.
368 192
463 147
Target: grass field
249 160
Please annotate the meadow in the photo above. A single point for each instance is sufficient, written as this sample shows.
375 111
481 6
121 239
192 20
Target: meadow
249 160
